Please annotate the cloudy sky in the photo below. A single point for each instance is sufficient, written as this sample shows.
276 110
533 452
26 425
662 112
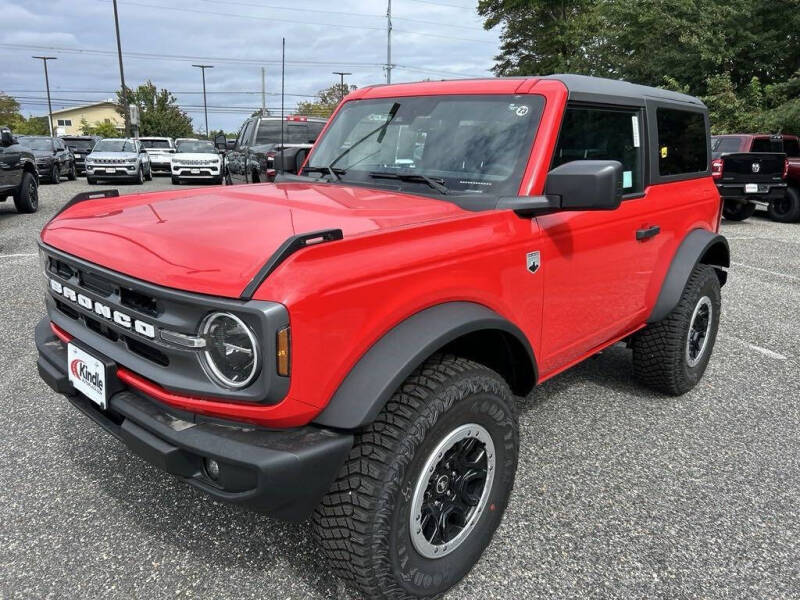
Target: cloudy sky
161 39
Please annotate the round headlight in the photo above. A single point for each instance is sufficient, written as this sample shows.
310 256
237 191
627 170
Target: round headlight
231 351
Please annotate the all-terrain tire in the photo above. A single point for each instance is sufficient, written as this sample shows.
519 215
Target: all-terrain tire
738 211
364 522
26 198
663 352
787 209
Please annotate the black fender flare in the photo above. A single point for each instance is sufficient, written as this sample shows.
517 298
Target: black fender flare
382 369
699 246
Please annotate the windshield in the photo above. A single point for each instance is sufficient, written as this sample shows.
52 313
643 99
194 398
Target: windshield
473 145
37 143
112 145
197 147
294 132
79 144
161 144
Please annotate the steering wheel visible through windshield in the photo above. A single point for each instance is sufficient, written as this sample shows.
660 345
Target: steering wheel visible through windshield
465 145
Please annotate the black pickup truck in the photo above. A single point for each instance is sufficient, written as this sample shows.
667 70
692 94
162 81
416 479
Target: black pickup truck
18 175
747 179
251 160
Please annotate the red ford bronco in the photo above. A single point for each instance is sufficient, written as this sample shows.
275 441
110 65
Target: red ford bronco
346 344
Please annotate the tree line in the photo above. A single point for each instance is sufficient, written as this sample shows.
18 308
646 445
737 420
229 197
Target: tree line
742 57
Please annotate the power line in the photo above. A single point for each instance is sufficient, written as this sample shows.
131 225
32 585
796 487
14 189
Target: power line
442 4
230 92
326 25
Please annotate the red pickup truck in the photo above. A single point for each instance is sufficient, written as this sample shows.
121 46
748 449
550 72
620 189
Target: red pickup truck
346 344
776 184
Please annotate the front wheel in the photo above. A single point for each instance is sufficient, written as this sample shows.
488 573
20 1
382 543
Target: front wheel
55 177
425 485
73 173
672 354
176 180
738 211
149 174
26 198
139 179
787 209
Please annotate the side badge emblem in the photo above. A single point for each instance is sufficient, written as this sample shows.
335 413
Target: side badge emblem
533 261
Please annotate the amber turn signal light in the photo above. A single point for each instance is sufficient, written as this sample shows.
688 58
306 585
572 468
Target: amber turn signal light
282 352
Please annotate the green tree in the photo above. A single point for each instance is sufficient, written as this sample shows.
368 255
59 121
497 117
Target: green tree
33 126
159 113
327 101
105 128
9 112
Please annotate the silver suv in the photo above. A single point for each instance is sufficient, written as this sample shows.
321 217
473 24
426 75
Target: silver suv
118 158
160 150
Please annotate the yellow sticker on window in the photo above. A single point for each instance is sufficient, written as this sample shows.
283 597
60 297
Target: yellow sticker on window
663 152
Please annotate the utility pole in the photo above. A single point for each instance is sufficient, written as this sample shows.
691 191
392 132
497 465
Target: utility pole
389 43
342 89
125 109
205 105
263 92
283 77
44 60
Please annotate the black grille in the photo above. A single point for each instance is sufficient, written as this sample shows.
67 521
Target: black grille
140 302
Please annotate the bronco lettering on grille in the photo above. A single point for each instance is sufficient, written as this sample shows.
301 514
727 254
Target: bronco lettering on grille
102 310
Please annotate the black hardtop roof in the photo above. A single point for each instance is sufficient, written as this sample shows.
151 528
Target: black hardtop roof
594 89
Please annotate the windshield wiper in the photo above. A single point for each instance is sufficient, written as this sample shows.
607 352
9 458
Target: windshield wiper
435 183
329 170
380 130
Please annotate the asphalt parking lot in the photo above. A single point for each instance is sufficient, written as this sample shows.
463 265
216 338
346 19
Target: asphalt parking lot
620 493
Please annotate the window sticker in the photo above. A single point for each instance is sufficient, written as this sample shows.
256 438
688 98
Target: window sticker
663 152
627 179
635 121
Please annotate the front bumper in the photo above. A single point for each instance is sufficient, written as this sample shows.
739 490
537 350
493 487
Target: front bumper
735 192
283 473
202 172
119 172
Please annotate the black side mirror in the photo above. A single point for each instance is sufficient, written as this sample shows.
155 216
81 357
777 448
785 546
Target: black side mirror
220 142
586 184
6 137
289 160
576 185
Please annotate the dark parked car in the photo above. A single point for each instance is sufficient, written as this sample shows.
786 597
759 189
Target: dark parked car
252 158
81 145
750 171
53 158
18 175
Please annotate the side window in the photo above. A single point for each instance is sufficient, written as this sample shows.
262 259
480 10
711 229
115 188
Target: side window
247 138
681 142
764 145
240 137
604 134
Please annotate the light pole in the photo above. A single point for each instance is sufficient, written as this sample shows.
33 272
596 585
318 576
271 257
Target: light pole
44 60
341 79
205 106
125 107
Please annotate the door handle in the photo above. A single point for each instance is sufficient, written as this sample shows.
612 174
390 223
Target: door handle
647 232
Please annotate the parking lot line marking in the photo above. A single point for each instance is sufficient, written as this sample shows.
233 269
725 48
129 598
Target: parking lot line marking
17 255
760 349
766 271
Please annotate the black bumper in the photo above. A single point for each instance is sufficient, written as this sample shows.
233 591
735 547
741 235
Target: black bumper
734 192
283 473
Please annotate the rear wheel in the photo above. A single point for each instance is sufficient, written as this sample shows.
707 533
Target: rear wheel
425 485
26 199
787 209
672 355
738 211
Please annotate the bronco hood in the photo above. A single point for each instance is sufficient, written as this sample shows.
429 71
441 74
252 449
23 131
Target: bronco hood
214 241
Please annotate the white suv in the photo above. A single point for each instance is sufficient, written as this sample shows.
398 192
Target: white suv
196 160
160 150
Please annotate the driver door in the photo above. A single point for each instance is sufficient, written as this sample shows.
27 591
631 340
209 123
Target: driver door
596 272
